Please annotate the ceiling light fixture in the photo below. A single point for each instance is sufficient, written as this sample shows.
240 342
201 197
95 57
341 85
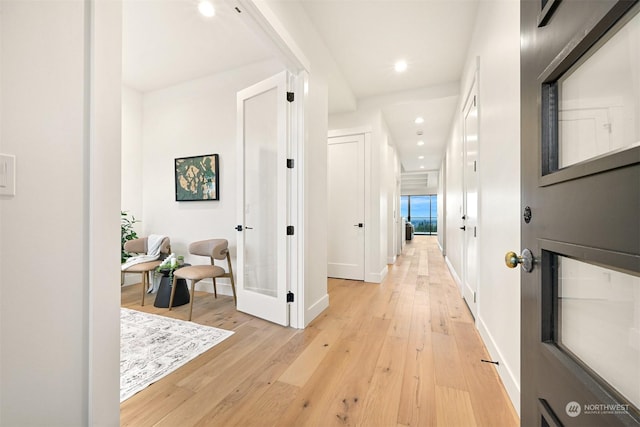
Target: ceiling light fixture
421 166
401 66
419 120
206 9
421 157
420 143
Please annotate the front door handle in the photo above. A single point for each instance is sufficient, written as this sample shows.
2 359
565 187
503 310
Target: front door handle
360 225
526 261
464 227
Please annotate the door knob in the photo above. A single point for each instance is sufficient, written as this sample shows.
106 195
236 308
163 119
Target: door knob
511 259
360 225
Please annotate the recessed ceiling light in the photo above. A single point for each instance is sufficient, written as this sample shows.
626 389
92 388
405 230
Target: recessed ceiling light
419 120
401 66
421 157
420 142
421 166
206 9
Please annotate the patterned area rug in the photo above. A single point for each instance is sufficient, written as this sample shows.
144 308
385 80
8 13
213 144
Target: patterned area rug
153 346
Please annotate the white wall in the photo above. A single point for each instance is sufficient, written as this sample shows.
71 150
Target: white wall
131 193
496 40
59 329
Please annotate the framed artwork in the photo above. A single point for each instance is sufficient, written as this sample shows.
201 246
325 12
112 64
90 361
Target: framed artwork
197 178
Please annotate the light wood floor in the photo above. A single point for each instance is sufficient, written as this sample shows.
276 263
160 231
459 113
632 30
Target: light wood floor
401 353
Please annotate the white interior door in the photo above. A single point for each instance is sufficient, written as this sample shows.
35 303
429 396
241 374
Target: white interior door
262 200
470 214
345 164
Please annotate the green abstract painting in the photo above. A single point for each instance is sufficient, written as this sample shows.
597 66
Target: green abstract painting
197 178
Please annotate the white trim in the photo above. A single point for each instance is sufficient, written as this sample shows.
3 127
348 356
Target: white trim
391 259
377 277
299 315
349 131
511 383
455 276
317 307
206 285
101 198
265 21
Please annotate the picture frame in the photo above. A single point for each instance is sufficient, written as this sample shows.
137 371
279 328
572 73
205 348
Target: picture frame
197 178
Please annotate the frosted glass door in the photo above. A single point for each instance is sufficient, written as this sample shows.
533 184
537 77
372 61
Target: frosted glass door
260 191
262 153
599 322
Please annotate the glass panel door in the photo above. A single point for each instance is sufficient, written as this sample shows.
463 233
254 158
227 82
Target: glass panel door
262 200
260 190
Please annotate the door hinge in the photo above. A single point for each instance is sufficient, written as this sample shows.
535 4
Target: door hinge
290 96
290 163
289 296
475 166
475 232
290 230
474 297
474 100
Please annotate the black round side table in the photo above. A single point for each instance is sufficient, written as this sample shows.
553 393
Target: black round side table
164 290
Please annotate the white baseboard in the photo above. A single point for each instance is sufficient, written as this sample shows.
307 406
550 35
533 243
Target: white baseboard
391 259
315 309
206 285
377 277
454 274
511 383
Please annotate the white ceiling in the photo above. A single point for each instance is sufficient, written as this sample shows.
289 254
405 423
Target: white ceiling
166 42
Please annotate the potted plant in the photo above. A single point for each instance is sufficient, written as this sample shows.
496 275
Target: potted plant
126 233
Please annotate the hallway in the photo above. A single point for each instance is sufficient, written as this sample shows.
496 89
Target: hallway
402 353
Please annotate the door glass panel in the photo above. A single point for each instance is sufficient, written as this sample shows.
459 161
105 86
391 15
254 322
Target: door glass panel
599 322
260 192
599 109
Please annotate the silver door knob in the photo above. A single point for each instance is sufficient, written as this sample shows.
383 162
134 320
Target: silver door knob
511 259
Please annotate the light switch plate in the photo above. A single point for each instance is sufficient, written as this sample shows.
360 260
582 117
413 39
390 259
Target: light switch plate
7 175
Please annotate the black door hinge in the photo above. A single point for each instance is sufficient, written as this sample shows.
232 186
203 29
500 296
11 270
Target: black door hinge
290 163
290 96
290 230
289 296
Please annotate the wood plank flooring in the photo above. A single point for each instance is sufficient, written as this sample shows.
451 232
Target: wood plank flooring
401 353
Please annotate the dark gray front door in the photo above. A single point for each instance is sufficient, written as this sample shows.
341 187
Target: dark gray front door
580 151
